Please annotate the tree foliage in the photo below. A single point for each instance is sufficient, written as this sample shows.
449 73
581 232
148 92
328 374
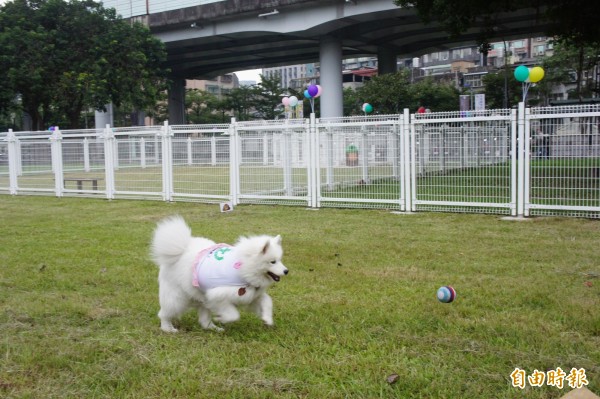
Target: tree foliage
571 20
60 58
391 93
495 85
259 101
570 64
202 107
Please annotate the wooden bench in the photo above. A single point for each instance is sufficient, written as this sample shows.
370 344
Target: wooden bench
80 180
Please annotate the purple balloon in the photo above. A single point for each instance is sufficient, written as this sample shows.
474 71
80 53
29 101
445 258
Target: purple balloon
313 90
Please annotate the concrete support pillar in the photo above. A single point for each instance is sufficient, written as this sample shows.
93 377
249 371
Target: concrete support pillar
101 119
332 99
386 61
177 102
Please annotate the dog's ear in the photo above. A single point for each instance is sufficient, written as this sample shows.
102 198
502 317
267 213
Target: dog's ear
278 239
266 247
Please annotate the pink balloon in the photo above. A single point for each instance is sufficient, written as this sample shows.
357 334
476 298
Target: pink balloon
319 91
285 101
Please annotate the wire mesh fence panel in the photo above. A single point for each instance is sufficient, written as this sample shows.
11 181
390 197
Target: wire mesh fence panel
34 164
201 164
137 165
273 163
359 162
463 164
564 161
449 162
83 165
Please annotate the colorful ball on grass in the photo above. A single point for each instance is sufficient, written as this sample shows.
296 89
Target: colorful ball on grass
446 294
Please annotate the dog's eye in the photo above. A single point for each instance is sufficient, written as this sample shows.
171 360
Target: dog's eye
273 262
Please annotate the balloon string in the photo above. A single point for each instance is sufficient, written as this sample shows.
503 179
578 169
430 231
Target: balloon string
525 90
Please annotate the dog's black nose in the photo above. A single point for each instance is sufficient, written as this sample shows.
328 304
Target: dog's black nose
286 271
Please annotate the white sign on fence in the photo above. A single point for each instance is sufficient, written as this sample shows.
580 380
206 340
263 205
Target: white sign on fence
479 102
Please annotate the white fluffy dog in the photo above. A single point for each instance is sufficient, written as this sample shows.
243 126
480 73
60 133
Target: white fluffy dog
213 278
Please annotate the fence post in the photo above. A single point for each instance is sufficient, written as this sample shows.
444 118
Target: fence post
442 151
464 143
287 160
313 163
167 161
115 153
407 167
13 163
19 158
109 162
329 158
265 147
233 163
86 154
189 151
143 153
364 154
57 161
526 161
521 160
213 150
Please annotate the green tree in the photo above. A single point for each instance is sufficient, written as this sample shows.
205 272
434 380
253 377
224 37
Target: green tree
573 20
569 64
267 96
352 102
437 96
63 57
494 84
240 100
202 107
389 93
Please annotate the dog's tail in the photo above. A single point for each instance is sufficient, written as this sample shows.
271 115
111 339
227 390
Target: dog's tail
171 238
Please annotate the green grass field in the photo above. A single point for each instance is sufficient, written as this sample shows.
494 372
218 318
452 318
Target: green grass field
78 304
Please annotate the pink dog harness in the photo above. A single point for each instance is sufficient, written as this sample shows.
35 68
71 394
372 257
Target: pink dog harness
217 267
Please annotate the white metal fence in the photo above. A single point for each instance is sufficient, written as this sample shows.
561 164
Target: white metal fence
539 161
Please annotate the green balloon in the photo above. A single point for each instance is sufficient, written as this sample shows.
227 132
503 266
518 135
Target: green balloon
368 108
521 73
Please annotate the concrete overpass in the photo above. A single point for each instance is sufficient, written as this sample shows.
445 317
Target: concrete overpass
224 36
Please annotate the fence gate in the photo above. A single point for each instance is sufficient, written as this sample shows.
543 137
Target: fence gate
271 161
562 161
361 162
464 163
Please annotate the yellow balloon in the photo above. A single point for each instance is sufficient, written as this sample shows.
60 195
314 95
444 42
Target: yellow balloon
536 74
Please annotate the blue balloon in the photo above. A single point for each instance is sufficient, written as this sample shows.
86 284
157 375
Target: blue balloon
521 73
307 94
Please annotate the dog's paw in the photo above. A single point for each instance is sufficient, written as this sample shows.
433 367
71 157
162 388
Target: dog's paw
268 323
168 327
227 318
170 330
214 327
